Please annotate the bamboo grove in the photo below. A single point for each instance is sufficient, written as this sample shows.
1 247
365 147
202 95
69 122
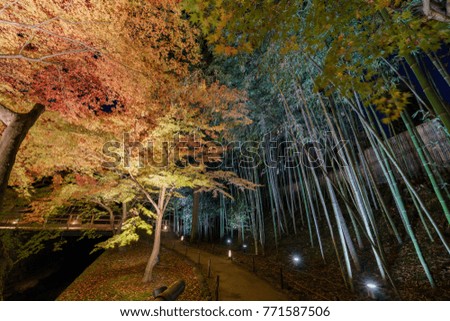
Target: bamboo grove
319 102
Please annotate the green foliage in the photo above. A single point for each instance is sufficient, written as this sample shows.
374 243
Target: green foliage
341 46
89 234
129 234
37 243
146 212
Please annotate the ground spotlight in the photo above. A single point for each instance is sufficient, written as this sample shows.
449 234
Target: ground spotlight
371 289
296 259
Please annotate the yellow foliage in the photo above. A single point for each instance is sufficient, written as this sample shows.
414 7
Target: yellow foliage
392 104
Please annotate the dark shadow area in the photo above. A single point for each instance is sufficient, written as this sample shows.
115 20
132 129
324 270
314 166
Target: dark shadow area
44 276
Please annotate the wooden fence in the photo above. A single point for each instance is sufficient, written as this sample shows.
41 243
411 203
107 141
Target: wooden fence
436 142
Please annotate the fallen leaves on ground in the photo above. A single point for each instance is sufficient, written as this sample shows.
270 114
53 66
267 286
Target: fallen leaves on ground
117 276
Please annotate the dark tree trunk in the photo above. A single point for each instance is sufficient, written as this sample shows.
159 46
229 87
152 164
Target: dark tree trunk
123 218
17 127
195 214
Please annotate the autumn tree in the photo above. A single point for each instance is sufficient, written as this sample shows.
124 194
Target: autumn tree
87 61
156 97
160 161
178 152
348 44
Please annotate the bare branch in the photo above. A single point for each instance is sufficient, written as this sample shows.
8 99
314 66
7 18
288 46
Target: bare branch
101 204
27 42
44 58
143 190
7 116
169 197
48 32
8 5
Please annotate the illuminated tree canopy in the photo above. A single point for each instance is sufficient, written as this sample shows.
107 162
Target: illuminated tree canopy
269 119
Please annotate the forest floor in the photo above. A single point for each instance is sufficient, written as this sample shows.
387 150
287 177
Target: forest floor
117 276
314 280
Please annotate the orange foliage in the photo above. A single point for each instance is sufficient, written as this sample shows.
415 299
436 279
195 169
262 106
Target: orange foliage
77 56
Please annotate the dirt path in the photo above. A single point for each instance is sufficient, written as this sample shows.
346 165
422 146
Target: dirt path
236 284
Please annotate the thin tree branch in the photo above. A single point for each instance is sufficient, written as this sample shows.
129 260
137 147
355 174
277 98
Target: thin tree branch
168 199
33 33
44 58
143 190
37 27
101 204
8 5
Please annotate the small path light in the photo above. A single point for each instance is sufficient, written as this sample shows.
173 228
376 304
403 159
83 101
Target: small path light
229 254
296 260
166 227
182 238
228 241
15 222
371 289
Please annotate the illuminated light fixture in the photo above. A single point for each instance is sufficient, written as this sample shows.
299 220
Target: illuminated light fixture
229 241
182 237
296 259
371 289
229 254
244 246
16 221
165 227
75 221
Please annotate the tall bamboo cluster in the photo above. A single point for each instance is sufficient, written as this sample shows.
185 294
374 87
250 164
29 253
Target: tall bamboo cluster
316 176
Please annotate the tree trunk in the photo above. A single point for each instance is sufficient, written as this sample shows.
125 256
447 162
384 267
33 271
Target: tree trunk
431 94
240 238
434 12
155 252
17 127
195 214
111 214
123 218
